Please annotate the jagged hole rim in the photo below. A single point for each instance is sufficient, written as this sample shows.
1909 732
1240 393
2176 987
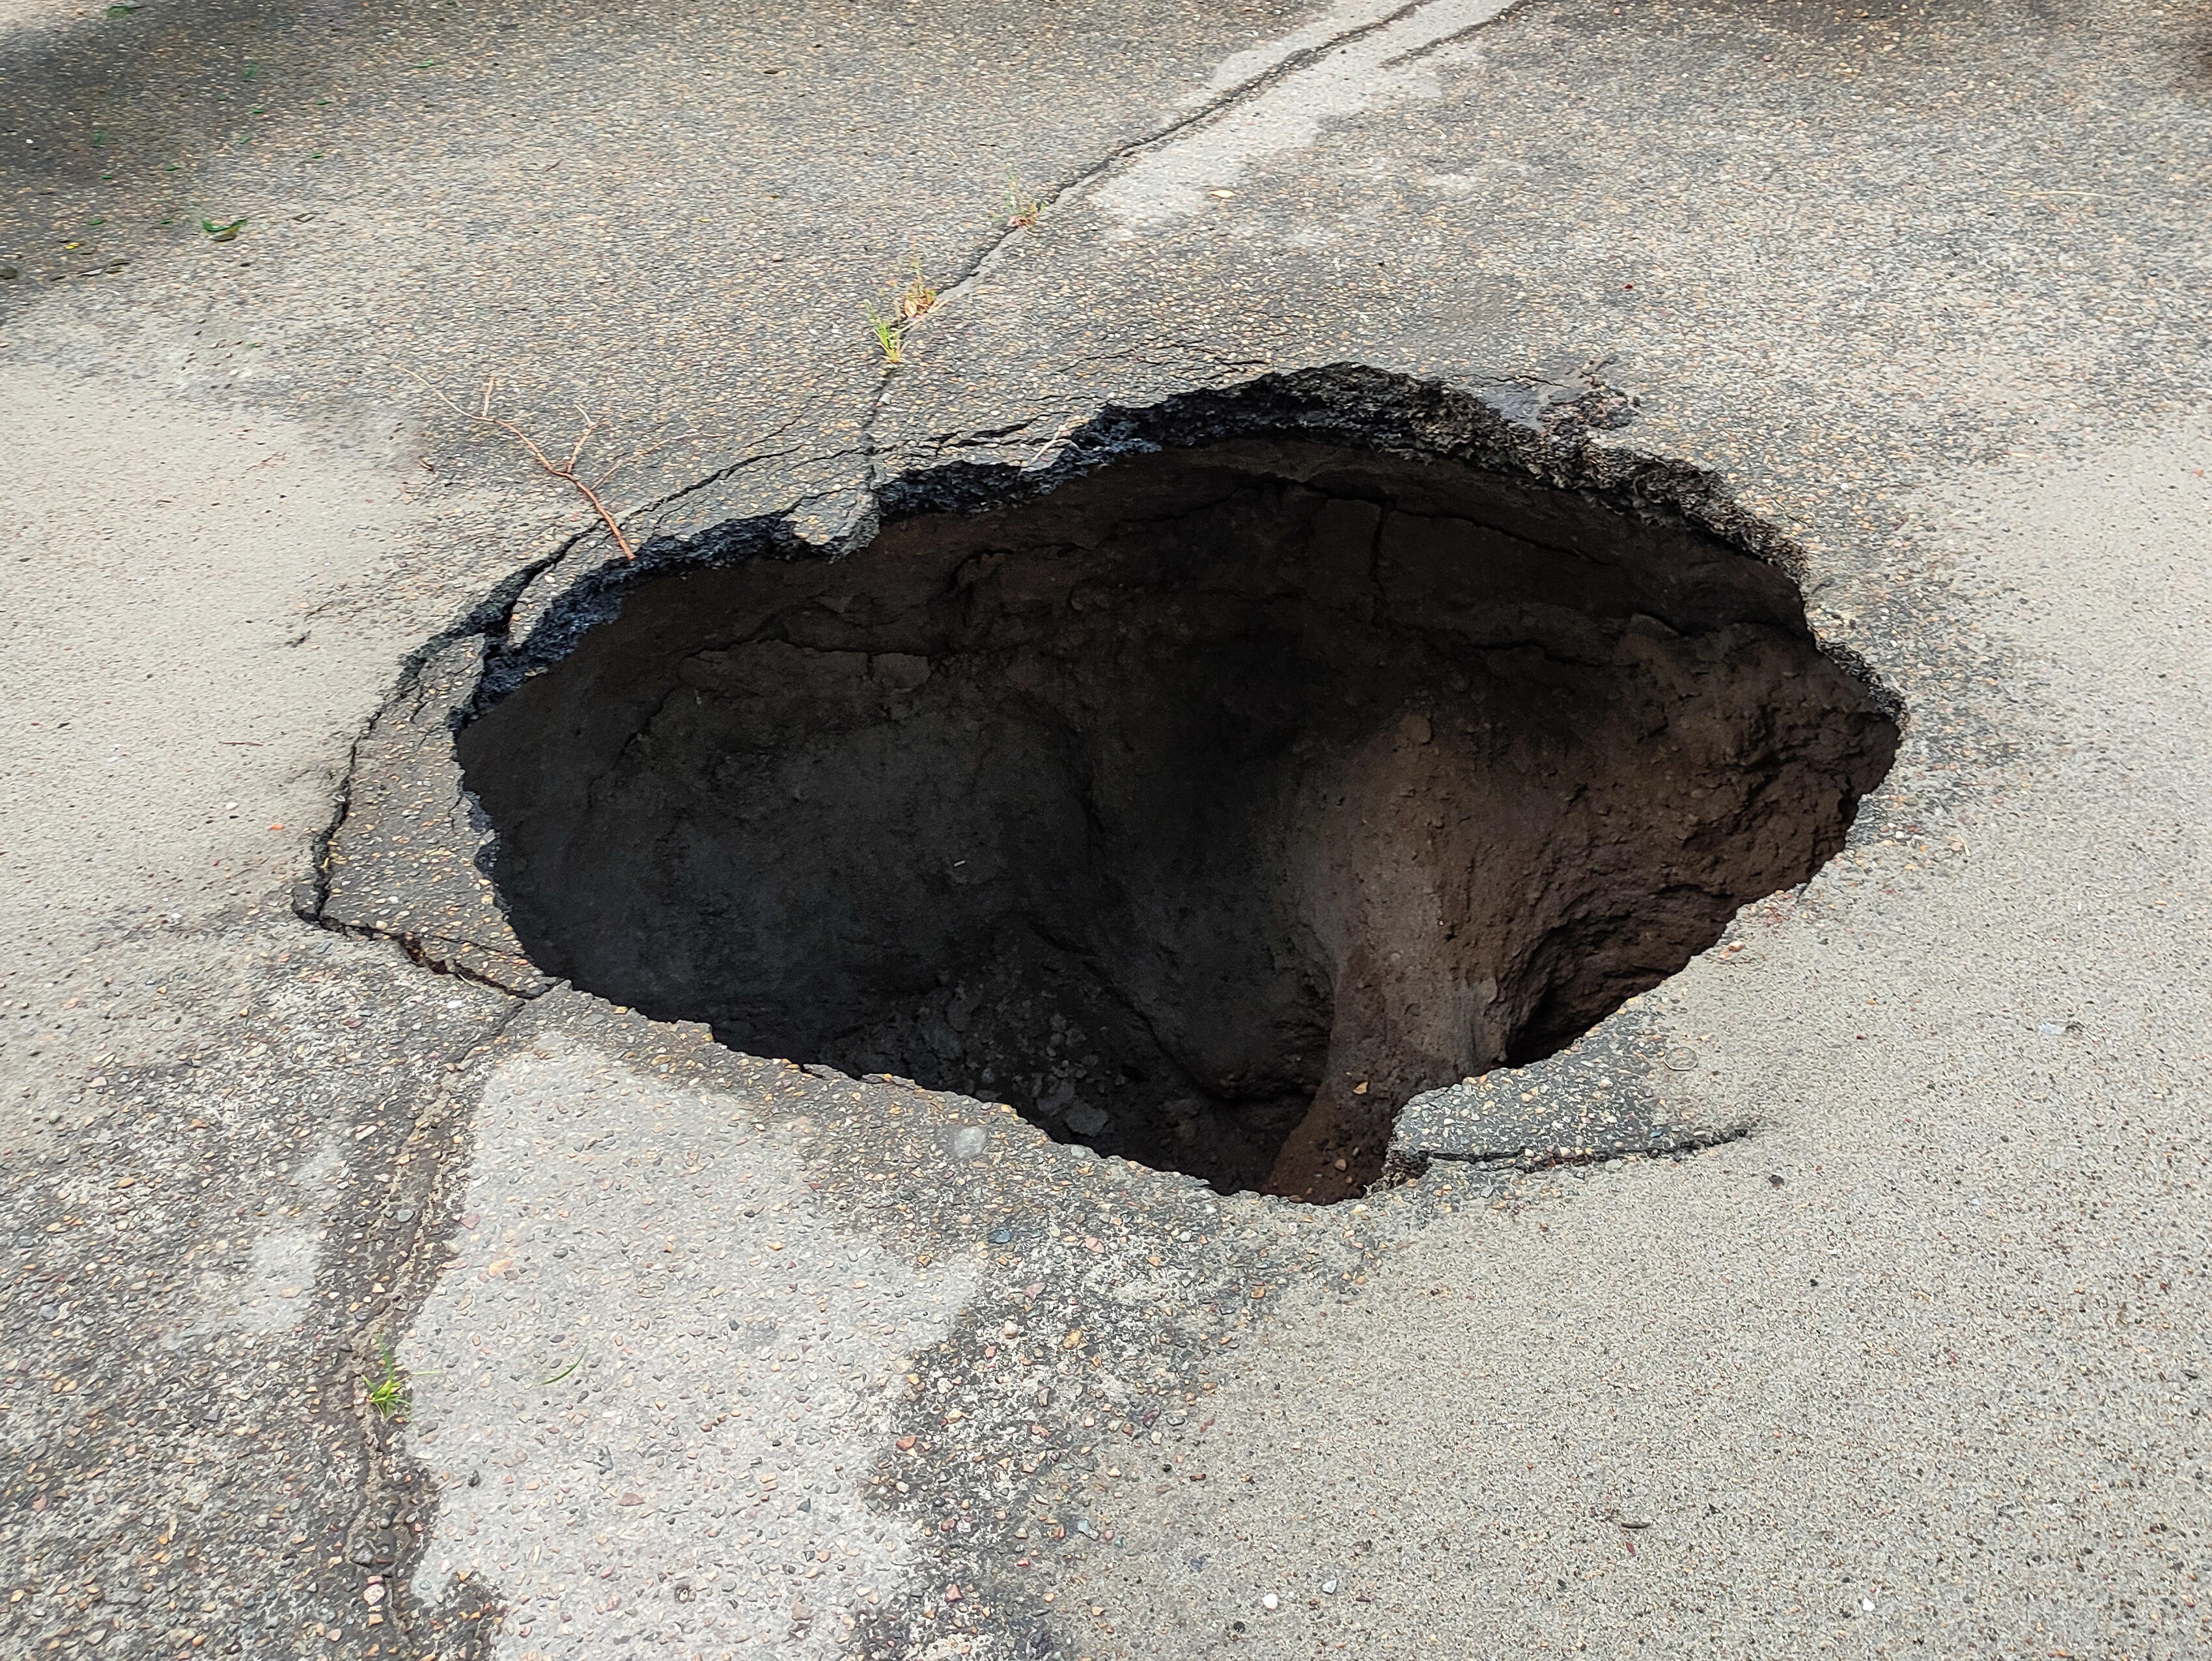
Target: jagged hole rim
1204 808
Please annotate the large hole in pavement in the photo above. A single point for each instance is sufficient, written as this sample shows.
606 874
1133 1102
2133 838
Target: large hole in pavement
1204 809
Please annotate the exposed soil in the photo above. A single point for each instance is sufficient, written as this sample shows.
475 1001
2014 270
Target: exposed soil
1205 810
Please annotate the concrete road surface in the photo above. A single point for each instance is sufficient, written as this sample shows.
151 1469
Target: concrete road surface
372 1288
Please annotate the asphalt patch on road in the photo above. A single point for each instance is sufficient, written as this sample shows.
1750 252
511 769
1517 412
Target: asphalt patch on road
1205 808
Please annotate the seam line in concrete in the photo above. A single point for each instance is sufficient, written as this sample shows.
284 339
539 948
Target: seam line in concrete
1212 108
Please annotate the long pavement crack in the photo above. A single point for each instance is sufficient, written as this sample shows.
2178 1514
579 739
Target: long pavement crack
1213 109
1536 1159
385 1506
860 523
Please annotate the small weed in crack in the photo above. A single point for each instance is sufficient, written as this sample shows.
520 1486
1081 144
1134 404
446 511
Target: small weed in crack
912 299
391 1396
1023 209
887 336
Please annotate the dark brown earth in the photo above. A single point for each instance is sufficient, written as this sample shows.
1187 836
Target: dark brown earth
1205 810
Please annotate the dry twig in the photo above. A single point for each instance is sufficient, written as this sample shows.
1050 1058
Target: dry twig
564 471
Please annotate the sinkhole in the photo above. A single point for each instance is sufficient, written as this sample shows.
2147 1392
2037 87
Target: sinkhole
1204 809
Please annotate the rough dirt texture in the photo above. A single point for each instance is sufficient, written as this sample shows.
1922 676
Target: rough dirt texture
1206 809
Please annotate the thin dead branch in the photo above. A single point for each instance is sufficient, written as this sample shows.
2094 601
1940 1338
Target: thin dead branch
564 471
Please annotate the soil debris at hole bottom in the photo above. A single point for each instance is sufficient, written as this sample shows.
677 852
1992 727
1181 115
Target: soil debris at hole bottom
1204 809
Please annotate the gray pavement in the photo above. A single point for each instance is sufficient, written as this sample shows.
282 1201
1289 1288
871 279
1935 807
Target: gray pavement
1867 1314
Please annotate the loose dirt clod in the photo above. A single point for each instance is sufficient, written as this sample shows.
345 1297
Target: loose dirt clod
1204 809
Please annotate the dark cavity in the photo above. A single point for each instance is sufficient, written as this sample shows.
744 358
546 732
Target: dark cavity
1204 810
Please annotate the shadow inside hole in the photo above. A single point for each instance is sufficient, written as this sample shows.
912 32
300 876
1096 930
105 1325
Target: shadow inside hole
1204 810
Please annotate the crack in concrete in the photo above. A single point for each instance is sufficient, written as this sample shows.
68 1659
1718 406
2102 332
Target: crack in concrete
731 468
488 616
862 522
1559 1158
421 950
384 1493
1252 86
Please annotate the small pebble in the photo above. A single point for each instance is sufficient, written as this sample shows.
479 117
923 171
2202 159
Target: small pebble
1268 1601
